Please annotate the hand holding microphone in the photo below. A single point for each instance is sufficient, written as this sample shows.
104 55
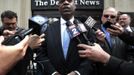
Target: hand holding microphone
81 27
35 41
73 31
90 22
8 33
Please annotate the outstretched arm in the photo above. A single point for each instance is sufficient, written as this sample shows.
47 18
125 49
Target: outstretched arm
116 65
9 55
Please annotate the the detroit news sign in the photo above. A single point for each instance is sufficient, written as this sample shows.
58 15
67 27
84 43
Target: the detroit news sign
53 4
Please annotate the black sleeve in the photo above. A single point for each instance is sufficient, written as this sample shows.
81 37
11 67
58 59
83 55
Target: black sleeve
127 37
120 67
42 59
1 30
43 62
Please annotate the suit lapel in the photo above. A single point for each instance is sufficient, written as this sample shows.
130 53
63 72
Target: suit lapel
132 28
56 34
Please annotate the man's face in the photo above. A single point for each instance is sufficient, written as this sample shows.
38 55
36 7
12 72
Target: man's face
9 24
67 8
124 20
109 15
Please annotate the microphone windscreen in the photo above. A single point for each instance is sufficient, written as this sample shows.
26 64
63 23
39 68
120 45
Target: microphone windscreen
38 23
90 22
72 29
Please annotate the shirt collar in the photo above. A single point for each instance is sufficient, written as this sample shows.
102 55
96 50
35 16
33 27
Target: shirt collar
128 28
62 21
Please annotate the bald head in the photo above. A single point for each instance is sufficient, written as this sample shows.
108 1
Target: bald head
110 9
109 14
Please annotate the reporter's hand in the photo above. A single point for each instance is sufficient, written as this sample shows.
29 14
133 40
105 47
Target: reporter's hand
1 40
95 53
100 35
8 33
20 48
35 41
118 29
23 45
10 55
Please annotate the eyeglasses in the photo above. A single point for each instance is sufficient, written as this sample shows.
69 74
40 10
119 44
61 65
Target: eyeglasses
111 16
122 18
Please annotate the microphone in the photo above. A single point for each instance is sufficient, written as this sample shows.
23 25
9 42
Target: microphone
73 31
37 25
12 40
90 22
77 31
83 29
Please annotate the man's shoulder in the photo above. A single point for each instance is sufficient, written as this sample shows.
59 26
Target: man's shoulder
55 22
132 28
1 27
1 30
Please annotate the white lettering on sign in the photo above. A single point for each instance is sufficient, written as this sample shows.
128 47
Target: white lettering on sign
85 2
53 2
46 3
41 3
77 2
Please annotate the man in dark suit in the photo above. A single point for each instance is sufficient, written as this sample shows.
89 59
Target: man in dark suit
125 21
114 45
116 65
113 41
60 60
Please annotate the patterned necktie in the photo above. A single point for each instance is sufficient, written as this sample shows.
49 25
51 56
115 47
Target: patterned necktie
66 40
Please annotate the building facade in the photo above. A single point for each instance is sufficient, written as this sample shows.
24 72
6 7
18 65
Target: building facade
25 8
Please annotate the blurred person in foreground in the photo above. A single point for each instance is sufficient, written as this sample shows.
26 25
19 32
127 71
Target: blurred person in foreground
10 55
114 64
111 43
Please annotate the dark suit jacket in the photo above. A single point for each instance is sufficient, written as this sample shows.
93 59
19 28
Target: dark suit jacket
53 59
118 46
120 67
127 37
